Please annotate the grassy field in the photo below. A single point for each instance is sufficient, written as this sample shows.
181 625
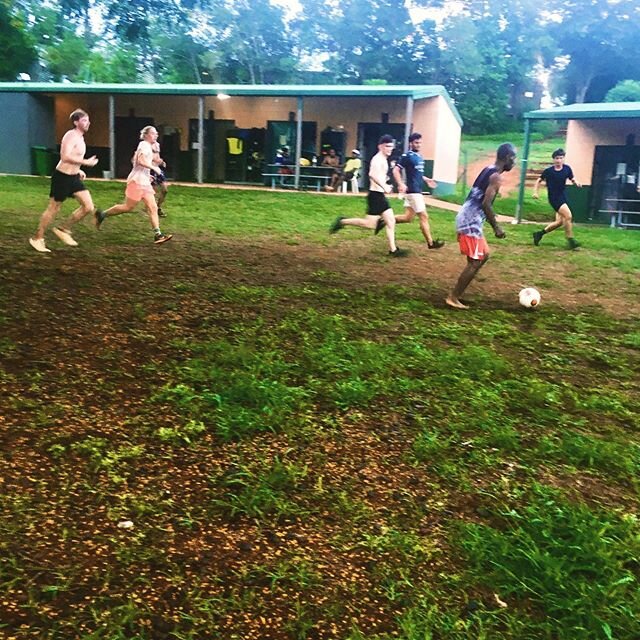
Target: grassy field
259 431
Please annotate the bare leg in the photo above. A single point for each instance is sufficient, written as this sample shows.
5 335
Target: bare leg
118 209
465 279
557 223
369 222
408 215
152 210
86 207
390 229
566 219
47 218
423 219
161 194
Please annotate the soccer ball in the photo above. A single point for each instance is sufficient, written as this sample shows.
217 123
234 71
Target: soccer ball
529 297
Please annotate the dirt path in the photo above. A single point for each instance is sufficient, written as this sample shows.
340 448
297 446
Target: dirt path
510 180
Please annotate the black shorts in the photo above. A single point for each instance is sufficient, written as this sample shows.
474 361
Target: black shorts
377 203
64 186
556 203
157 178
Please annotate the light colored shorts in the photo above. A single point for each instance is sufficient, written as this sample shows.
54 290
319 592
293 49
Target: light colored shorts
415 201
472 247
135 191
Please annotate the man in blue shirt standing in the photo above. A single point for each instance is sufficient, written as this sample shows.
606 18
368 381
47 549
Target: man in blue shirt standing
413 164
556 177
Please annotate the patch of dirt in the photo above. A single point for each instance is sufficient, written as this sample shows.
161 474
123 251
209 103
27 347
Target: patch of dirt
510 179
85 325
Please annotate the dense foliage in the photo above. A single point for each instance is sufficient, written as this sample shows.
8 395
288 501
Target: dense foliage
489 55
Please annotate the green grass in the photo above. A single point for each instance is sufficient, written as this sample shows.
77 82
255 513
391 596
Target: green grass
309 444
476 147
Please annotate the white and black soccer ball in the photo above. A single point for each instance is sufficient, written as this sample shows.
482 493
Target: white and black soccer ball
529 297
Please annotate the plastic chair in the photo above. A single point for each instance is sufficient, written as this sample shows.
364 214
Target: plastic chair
355 187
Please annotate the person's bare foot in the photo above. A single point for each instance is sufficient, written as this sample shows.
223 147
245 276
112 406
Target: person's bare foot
455 303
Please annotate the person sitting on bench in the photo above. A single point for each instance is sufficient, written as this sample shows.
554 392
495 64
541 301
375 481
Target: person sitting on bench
351 169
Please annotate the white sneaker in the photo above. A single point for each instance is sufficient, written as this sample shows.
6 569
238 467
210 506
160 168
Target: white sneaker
65 236
39 245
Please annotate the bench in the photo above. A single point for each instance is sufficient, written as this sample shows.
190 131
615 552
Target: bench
619 214
287 180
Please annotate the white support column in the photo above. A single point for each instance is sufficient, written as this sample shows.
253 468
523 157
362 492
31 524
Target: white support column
200 168
408 121
112 137
298 142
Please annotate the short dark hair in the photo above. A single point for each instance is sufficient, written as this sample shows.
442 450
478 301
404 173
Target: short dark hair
386 139
558 152
505 150
415 136
74 116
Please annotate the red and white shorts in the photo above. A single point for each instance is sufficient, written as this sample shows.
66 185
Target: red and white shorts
472 247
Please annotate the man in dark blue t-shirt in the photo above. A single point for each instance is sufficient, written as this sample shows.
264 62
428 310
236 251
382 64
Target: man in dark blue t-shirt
556 177
413 164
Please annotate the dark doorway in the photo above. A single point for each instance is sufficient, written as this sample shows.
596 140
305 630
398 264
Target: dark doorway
616 171
127 135
281 133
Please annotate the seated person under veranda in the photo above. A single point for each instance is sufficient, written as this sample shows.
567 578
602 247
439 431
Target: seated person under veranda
284 160
350 169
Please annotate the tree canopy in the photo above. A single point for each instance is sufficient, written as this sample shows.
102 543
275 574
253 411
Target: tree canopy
490 55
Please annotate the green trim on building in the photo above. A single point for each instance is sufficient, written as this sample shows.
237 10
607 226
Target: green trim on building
417 92
591 111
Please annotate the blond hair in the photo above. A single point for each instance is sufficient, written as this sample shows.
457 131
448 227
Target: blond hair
145 130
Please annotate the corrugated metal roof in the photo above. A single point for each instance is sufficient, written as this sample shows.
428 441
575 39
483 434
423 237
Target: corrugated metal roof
417 92
583 111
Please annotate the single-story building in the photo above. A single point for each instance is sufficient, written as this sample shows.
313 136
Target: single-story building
603 149
227 133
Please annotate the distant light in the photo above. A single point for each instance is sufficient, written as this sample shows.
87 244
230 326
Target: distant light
223 96
528 94
23 77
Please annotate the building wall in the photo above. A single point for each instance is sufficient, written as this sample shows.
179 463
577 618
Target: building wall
584 135
26 122
432 116
441 140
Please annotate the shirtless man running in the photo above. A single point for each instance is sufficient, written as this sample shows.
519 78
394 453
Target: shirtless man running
66 181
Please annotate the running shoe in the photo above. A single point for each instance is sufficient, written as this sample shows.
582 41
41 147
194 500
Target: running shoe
39 245
537 236
65 237
399 253
379 225
159 238
337 225
99 217
436 244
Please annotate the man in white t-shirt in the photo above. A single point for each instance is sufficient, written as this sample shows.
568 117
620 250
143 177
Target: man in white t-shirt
379 211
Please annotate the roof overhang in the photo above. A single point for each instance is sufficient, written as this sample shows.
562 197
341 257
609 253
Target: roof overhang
417 92
587 111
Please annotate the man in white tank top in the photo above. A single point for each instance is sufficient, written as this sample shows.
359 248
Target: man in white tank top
379 212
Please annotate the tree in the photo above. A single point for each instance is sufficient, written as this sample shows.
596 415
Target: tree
599 39
18 51
360 40
625 91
